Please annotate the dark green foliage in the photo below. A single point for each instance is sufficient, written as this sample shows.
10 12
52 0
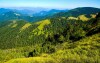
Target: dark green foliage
78 11
32 54
95 26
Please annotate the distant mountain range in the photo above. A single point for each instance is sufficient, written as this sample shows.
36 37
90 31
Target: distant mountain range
49 13
32 16
3 10
26 14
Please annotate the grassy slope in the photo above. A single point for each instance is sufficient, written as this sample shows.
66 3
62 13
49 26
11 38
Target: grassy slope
82 51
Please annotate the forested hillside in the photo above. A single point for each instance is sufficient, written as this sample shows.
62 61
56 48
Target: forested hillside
78 11
72 37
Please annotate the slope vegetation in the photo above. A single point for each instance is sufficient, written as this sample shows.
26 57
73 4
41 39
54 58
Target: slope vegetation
82 51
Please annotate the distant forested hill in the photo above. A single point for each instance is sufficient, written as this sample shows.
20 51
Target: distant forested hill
79 11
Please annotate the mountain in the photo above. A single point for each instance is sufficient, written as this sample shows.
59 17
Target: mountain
49 39
50 30
34 9
49 13
60 38
26 14
31 16
79 11
9 16
3 10
12 15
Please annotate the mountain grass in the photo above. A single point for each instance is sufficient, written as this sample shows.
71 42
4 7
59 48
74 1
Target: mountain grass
72 18
15 25
40 27
93 15
42 24
32 60
82 51
25 26
83 18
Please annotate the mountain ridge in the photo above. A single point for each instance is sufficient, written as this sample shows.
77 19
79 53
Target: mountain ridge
79 11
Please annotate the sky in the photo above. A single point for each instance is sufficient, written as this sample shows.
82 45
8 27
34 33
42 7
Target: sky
64 4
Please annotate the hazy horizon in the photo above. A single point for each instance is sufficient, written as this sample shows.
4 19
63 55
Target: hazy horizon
20 8
52 4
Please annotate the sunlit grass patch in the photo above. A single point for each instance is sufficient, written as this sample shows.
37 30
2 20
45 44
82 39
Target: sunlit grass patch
25 26
83 18
93 15
43 23
32 60
39 30
72 18
14 25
